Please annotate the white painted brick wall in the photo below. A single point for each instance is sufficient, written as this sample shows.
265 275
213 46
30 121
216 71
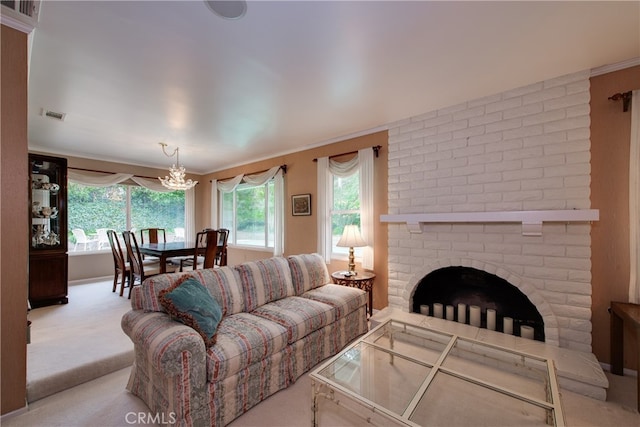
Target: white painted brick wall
524 149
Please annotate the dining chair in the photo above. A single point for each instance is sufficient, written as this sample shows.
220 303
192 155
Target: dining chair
121 266
153 235
221 255
81 238
204 255
140 269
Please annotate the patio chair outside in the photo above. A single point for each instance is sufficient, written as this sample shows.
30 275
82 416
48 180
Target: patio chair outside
178 234
103 239
81 239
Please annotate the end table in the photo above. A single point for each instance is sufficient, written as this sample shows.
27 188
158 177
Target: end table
362 280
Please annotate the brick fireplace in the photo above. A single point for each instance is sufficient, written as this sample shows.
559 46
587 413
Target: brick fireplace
527 149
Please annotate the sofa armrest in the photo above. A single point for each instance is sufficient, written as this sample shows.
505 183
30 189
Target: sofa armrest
166 344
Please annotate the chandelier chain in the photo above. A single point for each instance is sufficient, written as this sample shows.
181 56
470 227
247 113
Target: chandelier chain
176 179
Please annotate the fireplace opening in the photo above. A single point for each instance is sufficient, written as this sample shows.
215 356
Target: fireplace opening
452 286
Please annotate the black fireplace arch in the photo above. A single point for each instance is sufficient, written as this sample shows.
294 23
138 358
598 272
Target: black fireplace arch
470 286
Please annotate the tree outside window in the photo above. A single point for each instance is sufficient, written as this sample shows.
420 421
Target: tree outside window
345 209
249 214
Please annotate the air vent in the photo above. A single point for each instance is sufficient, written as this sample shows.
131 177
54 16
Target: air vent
53 115
21 15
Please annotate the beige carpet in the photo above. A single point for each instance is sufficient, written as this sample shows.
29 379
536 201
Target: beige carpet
105 402
77 342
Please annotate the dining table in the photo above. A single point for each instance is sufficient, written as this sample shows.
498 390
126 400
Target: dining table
164 251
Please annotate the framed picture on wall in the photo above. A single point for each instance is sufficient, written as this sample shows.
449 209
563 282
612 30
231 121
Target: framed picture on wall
301 204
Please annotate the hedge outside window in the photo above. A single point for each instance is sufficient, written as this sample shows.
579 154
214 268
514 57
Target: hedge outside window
121 207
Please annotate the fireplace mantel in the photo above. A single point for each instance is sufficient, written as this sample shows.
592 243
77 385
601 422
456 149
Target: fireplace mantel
531 220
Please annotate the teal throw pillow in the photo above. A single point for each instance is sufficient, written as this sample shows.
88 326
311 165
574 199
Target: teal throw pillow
189 302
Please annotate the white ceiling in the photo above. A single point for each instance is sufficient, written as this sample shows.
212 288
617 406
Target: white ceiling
290 75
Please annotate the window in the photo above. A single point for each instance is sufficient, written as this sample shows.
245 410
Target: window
154 209
121 207
345 196
345 210
249 214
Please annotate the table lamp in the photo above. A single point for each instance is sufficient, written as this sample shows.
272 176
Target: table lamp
351 239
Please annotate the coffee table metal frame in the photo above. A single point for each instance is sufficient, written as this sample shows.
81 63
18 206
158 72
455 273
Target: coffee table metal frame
324 387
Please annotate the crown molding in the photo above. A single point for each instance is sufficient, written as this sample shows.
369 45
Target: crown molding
615 67
16 24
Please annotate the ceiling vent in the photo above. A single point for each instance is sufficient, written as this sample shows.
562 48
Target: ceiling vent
21 15
53 114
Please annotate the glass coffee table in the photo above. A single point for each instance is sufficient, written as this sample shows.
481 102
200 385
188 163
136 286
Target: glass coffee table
408 375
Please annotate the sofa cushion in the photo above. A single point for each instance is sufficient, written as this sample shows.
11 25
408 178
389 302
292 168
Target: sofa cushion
264 281
223 284
243 339
191 303
308 272
343 299
300 316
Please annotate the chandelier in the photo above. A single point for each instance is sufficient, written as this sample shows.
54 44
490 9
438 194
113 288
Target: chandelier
175 180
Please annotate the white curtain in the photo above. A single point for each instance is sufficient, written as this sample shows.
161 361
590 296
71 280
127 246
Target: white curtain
278 247
257 179
190 213
229 185
634 200
328 167
151 184
214 204
93 180
325 193
107 180
224 187
365 159
344 169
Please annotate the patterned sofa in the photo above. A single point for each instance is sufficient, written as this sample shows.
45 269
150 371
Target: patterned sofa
280 317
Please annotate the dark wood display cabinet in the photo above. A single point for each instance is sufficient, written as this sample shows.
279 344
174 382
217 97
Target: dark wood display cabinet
48 230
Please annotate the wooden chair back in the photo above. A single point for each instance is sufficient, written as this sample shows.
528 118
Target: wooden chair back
135 258
120 263
207 242
154 235
221 256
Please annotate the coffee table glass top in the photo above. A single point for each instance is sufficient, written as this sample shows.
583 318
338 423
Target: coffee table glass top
415 376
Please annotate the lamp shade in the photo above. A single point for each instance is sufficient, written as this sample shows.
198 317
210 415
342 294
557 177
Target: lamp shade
351 237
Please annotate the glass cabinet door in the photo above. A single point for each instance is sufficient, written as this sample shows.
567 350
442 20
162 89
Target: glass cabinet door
48 187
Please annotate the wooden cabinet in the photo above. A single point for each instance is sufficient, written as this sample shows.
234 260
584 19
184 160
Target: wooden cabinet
48 230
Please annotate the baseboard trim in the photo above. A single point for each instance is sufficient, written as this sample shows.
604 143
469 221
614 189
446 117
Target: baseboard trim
12 414
625 371
91 280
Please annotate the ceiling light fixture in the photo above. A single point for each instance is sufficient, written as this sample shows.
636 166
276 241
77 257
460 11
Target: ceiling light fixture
175 180
234 9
